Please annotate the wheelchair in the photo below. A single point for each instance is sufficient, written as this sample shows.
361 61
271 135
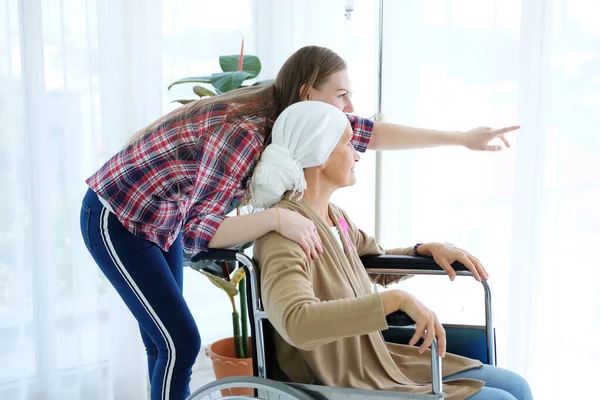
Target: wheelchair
473 341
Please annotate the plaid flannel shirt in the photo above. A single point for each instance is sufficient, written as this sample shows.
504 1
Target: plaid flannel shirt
189 175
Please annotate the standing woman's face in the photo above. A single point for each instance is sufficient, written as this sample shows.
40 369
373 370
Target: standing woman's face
335 91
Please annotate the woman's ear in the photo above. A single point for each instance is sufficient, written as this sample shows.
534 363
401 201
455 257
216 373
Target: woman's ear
304 92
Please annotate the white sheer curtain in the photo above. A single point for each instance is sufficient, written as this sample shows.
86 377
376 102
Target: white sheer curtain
57 315
77 78
529 213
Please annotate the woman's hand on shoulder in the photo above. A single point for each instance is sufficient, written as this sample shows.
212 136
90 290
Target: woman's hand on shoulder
444 254
301 230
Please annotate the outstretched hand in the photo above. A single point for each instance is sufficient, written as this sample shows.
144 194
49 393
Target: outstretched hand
479 138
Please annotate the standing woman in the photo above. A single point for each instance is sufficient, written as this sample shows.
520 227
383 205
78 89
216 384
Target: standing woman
170 189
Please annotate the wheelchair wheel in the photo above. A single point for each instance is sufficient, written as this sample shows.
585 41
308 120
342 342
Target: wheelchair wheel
266 389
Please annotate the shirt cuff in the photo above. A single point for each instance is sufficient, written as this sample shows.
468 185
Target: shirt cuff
363 128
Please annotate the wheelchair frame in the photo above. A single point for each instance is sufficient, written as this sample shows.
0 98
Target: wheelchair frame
384 265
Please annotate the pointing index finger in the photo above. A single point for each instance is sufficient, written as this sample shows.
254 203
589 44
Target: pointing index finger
502 131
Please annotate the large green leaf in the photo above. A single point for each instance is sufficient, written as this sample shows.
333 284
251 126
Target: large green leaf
221 283
226 81
191 79
237 276
251 64
201 91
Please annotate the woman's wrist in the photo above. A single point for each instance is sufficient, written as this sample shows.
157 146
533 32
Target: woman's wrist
392 300
459 138
401 298
274 219
423 249
416 249
278 230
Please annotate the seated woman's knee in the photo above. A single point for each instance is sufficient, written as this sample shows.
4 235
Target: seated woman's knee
518 386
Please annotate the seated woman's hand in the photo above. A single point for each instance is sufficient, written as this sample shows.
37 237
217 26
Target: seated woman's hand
428 325
445 254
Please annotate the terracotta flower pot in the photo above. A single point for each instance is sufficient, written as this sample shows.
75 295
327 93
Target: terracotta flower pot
222 354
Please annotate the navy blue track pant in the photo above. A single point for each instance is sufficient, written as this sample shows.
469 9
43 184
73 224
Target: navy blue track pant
150 282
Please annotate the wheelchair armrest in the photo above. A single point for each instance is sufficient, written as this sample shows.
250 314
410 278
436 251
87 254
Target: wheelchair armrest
406 263
216 255
399 318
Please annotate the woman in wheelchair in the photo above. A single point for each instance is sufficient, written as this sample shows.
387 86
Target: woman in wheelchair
327 319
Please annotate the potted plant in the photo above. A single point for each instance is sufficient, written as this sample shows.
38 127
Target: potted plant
232 284
236 69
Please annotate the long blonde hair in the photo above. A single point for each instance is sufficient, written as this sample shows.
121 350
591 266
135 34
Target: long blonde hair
308 67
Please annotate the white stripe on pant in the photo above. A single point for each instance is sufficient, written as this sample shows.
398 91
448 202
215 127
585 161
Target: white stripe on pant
142 299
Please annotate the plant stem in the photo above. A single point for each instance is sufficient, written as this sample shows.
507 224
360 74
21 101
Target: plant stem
233 304
244 316
237 340
241 62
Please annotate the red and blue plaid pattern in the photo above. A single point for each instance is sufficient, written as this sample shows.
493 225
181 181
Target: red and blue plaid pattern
188 175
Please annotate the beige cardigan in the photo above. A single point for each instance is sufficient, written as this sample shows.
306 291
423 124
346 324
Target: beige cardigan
328 320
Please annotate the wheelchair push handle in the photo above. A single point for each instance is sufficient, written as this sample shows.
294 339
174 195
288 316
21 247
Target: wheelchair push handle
216 255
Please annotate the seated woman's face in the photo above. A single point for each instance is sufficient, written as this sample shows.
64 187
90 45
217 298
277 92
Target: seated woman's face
339 167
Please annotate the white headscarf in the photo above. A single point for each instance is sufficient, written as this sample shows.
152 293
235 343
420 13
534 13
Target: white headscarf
304 135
